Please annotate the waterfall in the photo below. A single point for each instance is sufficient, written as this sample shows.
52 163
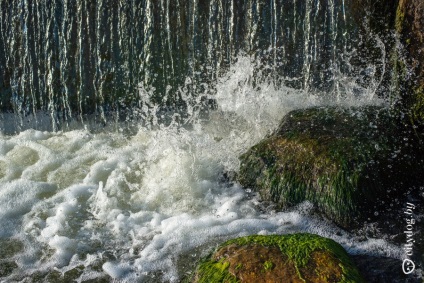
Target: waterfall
122 124
79 60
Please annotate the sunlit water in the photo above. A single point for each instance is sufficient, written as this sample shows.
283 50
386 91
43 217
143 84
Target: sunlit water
146 206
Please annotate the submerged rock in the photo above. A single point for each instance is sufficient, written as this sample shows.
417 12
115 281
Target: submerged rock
278 258
351 163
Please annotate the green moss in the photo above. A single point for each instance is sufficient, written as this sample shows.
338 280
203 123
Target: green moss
214 271
297 247
400 17
418 107
268 265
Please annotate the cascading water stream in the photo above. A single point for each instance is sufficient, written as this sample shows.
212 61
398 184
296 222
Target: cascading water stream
72 60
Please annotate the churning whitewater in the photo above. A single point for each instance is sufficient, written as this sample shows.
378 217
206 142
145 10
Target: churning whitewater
145 207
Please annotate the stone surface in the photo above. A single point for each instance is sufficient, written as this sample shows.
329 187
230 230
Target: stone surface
410 67
350 163
278 258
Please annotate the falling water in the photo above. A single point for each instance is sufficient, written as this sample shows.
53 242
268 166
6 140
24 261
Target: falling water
105 60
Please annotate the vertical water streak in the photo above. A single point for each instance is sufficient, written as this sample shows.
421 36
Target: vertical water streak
137 49
169 42
114 69
164 58
147 42
306 41
51 55
41 60
14 59
219 35
98 85
295 20
274 24
230 32
25 77
80 58
66 43
333 33
249 26
211 35
180 46
120 92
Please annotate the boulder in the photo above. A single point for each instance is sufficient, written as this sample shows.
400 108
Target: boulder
278 258
351 163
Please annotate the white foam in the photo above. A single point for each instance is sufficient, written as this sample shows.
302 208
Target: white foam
115 270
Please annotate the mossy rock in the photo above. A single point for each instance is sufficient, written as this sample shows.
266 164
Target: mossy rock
346 161
278 258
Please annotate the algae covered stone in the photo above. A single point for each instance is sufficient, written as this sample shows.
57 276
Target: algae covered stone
346 161
278 258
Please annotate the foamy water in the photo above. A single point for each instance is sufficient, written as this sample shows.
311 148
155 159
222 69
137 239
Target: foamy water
146 207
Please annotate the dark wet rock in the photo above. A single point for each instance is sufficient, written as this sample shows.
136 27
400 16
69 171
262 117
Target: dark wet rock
353 164
410 60
278 258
